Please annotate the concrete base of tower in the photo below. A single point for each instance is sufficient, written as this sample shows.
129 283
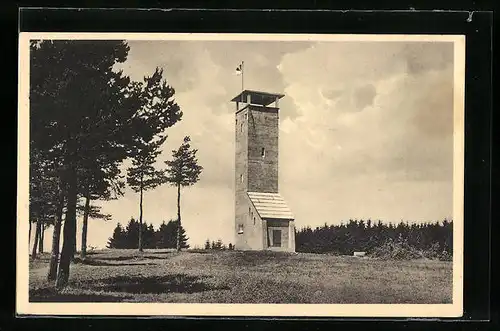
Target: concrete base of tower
270 234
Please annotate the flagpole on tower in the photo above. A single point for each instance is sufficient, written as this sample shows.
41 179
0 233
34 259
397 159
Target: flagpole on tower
240 71
242 74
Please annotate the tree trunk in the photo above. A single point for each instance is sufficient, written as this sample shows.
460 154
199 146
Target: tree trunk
69 231
40 244
86 212
75 249
29 237
140 221
178 217
56 237
37 239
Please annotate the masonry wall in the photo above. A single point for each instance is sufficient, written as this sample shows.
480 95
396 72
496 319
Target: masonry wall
287 234
241 169
252 232
263 127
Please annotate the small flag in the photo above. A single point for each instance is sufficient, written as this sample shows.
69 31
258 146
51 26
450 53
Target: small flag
239 69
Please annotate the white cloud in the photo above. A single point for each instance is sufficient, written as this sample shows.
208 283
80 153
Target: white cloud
387 154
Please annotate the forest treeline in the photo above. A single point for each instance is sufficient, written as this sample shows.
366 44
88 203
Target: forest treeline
431 239
368 236
164 237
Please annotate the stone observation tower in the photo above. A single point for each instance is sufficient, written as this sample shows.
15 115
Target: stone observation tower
263 220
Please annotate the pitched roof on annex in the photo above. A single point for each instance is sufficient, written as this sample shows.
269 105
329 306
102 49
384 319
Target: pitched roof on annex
270 205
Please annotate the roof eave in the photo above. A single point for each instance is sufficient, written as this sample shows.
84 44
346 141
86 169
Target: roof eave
278 219
238 97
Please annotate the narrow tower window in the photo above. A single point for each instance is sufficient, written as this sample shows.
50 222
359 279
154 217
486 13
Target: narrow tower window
240 228
263 152
241 178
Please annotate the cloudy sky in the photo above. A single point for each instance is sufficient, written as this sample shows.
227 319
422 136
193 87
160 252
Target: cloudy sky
366 130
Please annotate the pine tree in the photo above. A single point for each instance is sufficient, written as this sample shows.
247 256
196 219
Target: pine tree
90 211
131 234
183 170
97 184
149 236
43 195
162 237
168 235
182 237
143 176
118 240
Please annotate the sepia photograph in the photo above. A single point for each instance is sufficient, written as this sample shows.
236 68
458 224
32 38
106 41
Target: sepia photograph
240 174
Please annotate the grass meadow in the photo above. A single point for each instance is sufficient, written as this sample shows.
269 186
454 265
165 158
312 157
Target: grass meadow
244 277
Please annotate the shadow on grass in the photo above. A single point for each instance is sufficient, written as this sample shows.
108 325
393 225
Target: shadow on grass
99 263
176 283
163 252
134 257
201 251
117 258
255 258
51 295
152 257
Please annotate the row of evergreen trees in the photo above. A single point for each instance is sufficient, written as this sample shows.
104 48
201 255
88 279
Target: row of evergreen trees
164 237
345 238
360 235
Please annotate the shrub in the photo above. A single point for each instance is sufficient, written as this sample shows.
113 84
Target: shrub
397 250
446 256
401 250
432 252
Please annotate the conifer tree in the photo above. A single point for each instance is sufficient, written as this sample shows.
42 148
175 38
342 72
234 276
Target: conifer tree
162 236
149 235
96 183
143 176
118 240
183 170
132 234
168 235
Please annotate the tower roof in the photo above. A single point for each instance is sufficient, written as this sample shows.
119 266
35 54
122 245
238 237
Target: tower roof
270 205
257 97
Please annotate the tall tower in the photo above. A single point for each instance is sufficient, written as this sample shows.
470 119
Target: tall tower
262 217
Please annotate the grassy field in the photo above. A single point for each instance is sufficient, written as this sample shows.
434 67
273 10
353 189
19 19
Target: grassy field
244 277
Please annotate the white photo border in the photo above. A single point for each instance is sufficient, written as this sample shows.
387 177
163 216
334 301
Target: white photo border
24 307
